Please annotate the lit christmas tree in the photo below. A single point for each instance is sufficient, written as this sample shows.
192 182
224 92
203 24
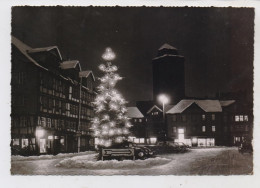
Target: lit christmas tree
110 124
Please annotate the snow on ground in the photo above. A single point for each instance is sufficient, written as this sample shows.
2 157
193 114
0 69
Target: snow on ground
90 162
201 161
61 155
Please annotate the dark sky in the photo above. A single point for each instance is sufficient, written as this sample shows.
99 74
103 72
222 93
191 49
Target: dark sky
217 43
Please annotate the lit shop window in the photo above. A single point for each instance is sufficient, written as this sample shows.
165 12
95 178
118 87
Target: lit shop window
245 118
203 117
213 128
25 143
16 142
241 118
203 128
236 118
213 117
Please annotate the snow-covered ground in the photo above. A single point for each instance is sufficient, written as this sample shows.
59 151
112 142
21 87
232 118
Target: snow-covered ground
60 155
203 161
89 162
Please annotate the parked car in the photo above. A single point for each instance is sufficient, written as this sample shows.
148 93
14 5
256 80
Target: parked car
183 147
140 152
245 148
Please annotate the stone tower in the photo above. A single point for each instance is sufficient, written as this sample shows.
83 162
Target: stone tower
168 74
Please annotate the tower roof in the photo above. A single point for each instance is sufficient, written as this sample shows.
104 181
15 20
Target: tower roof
167 46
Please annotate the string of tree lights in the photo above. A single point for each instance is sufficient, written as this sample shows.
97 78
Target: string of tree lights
110 124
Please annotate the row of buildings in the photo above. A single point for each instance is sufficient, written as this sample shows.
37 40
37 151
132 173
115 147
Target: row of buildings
225 120
51 105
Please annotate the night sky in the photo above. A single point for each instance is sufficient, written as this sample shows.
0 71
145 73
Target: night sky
217 43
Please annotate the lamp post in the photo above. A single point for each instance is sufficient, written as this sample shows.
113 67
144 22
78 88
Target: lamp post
164 100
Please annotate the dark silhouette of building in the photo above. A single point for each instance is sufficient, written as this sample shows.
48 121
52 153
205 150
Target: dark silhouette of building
51 105
168 74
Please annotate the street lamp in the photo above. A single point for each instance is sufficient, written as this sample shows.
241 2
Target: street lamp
164 100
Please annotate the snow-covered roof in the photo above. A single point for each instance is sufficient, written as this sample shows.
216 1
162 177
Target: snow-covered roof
167 46
23 48
226 102
205 105
133 112
46 49
86 74
153 107
69 64
167 55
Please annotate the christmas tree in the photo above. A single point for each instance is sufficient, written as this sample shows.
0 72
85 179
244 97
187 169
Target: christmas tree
110 124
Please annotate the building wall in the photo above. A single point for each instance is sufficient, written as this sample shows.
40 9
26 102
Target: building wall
47 120
196 125
168 78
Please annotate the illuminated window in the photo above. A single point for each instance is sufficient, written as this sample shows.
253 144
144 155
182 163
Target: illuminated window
213 117
203 117
135 120
25 143
203 128
245 118
241 118
213 128
236 118
140 120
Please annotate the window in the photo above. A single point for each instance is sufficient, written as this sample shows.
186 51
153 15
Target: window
203 128
213 128
174 118
174 129
203 117
246 128
236 118
183 117
48 122
246 118
140 120
25 143
213 117
241 118
43 121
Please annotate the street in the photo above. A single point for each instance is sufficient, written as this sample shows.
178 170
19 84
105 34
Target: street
201 161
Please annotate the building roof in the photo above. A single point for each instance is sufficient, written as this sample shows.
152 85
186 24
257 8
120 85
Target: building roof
153 107
205 105
46 49
167 46
69 64
167 55
86 74
226 102
23 48
133 112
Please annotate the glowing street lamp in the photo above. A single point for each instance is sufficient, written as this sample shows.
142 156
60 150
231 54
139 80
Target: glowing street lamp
164 100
